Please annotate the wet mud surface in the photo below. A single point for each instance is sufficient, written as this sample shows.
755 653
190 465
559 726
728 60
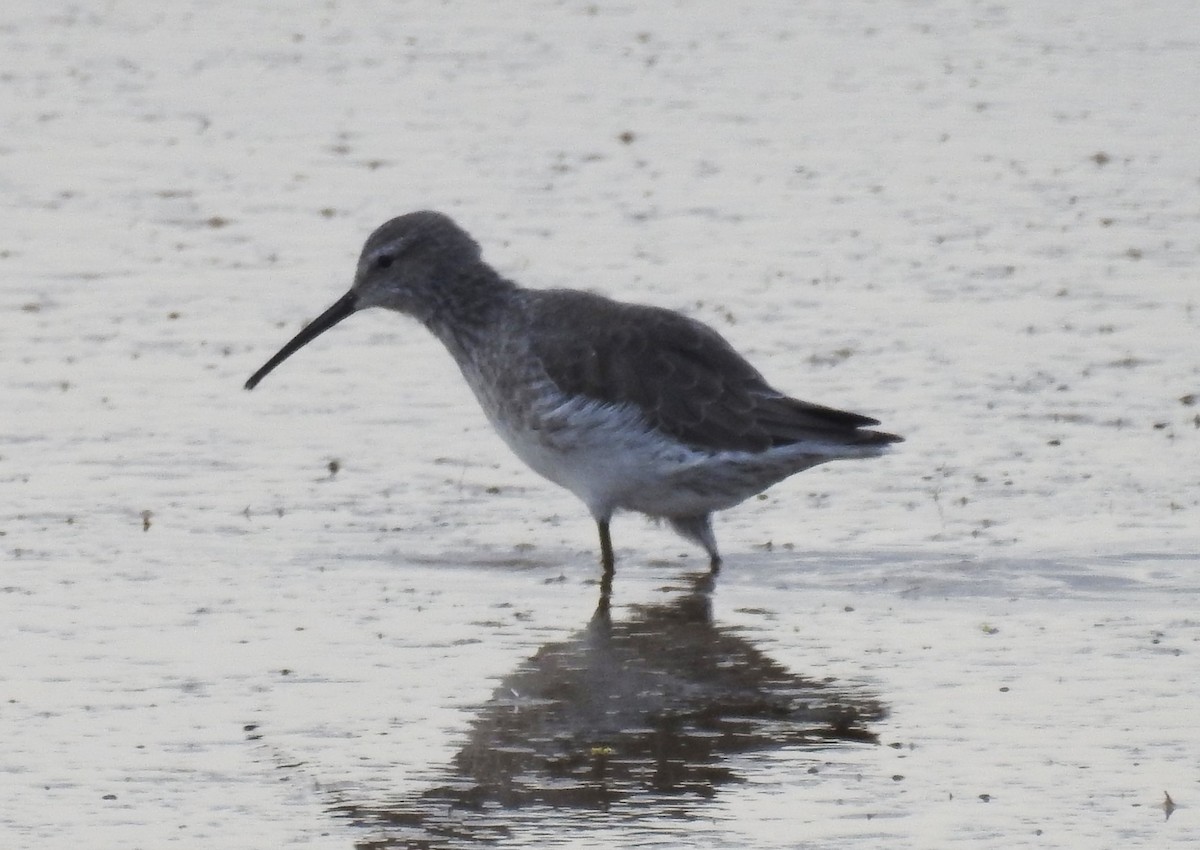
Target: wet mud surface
337 613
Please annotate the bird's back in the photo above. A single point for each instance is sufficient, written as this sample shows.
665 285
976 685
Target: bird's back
684 378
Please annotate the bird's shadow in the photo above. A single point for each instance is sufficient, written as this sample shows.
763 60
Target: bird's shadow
635 716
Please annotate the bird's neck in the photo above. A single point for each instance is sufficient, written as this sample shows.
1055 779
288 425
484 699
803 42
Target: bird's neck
467 311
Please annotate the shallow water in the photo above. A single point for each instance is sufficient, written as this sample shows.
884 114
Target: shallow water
335 612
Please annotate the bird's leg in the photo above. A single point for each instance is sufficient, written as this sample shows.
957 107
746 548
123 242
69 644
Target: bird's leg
606 551
605 601
698 529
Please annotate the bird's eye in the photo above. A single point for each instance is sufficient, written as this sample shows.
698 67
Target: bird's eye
384 261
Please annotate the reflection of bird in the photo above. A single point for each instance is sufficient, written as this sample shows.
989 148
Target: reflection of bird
643 713
628 407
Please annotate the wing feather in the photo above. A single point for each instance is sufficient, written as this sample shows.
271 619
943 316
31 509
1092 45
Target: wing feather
682 376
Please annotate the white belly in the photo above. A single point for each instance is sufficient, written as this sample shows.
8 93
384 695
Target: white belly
611 460
606 457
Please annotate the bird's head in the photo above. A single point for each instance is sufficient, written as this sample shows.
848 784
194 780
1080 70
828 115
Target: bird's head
410 263
418 264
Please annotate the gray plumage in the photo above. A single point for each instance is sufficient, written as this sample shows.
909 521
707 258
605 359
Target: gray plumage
627 406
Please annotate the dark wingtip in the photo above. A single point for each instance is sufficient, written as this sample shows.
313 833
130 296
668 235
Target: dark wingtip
880 438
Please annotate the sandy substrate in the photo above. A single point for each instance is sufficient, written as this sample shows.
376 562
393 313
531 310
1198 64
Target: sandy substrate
296 617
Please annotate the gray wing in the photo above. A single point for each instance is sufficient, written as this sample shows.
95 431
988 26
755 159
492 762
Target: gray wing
682 375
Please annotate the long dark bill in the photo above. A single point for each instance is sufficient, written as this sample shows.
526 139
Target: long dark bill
343 307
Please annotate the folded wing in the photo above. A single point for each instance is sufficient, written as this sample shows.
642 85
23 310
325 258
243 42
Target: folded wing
682 376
